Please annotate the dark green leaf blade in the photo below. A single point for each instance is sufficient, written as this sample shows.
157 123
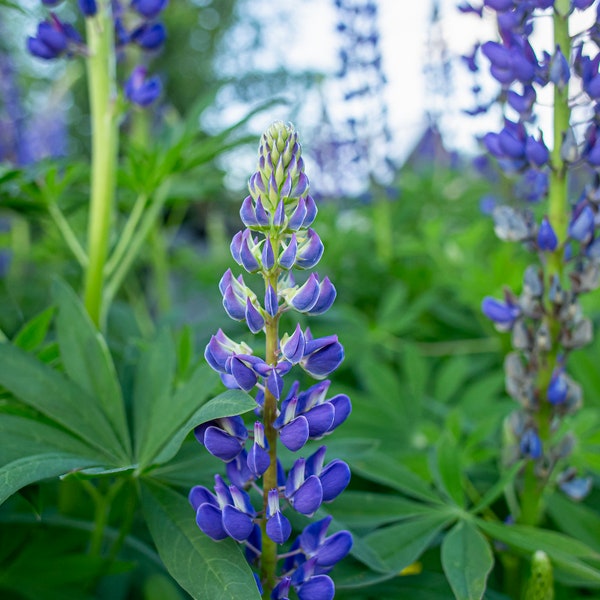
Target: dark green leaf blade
170 413
34 332
401 544
203 567
367 509
153 388
381 468
226 404
467 560
52 394
577 519
448 469
531 539
87 360
29 469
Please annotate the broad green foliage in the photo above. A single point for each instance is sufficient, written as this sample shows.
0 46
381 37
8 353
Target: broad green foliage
72 422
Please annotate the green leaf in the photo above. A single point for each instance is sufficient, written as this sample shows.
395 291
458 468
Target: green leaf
29 469
226 404
153 388
87 360
52 394
34 332
467 560
449 468
386 470
23 436
161 587
566 553
203 567
398 546
170 413
450 377
577 519
498 488
367 509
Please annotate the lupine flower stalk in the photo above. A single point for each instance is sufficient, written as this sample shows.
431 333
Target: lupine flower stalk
546 320
278 239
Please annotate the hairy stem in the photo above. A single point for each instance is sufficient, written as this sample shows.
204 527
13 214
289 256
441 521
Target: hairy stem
269 547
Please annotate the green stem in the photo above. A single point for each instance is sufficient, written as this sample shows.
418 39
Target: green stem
102 504
101 85
512 579
68 234
148 221
160 264
269 547
126 235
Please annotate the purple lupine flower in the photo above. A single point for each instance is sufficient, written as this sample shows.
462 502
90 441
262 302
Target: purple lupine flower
53 39
502 313
149 36
531 445
258 458
558 388
88 7
223 438
322 356
303 491
546 238
582 225
141 90
149 8
278 526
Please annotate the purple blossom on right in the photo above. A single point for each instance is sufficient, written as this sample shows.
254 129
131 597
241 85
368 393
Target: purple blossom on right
545 320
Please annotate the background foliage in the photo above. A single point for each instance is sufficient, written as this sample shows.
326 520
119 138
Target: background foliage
96 455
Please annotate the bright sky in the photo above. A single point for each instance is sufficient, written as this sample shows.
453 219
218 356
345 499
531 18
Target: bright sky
307 39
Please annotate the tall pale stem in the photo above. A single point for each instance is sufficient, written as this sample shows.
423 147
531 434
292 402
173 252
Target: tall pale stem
101 86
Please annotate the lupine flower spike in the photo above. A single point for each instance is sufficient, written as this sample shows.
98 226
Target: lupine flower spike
545 322
278 239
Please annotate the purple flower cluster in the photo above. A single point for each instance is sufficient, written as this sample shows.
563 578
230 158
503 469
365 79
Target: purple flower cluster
135 24
546 321
278 239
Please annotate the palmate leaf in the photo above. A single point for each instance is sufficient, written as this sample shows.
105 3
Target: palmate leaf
29 469
87 360
163 418
34 332
369 510
448 469
399 545
381 468
64 402
576 519
226 404
153 388
204 568
31 451
568 555
467 560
